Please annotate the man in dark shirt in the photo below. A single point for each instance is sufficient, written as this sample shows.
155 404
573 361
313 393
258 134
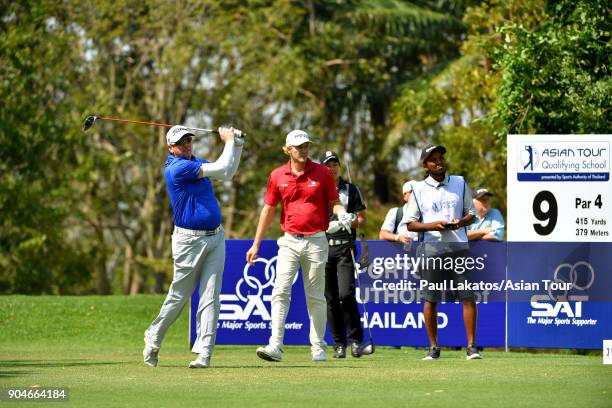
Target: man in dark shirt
342 311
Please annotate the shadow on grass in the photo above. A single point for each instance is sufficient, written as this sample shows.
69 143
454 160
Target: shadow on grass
54 363
318 367
260 366
9 364
9 374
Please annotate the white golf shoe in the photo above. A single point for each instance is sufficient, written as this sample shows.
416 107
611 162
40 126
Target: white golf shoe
150 353
319 355
270 353
200 362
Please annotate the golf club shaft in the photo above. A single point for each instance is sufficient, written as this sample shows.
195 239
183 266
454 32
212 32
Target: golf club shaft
365 311
155 124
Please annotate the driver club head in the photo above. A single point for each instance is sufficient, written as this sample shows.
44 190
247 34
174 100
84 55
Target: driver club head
364 259
89 121
368 348
363 262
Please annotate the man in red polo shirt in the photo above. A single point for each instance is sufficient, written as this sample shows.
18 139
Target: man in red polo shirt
307 190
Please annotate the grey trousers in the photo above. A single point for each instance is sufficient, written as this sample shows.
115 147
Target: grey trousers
196 259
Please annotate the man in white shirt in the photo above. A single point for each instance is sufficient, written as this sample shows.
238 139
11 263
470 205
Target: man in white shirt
440 209
392 228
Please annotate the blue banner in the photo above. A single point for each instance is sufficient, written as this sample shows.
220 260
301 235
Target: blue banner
395 315
568 304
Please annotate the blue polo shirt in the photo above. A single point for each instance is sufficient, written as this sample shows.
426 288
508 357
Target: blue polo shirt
193 200
494 219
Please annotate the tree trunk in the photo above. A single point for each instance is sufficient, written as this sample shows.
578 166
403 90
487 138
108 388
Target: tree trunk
380 116
381 183
102 283
127 269
136 284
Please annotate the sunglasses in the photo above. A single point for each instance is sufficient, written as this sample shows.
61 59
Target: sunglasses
184 141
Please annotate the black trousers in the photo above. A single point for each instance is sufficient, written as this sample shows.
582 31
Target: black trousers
342 311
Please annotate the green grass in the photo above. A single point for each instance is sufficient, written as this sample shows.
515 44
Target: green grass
92 345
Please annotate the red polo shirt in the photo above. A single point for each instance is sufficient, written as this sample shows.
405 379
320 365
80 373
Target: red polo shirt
305 197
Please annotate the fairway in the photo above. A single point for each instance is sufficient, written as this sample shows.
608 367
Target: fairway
92 346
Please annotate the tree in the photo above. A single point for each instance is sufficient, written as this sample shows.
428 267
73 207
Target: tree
38 145
457 104
557 74
362 53
148 60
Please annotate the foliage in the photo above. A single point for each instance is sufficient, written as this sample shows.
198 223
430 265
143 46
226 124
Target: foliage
456 105
385 45
38 146
557 76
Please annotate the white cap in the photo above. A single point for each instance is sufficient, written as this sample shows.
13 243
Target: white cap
176 133
297 137
407 186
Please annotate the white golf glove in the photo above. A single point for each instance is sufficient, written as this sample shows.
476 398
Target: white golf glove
238 134
334 226
345 220
238 137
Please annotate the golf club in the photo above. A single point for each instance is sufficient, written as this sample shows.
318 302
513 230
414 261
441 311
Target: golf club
364 262
91 119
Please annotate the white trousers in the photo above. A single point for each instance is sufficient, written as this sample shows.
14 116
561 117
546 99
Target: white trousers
196 259
309 252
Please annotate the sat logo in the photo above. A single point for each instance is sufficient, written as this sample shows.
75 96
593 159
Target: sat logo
553 310
250 299
581 275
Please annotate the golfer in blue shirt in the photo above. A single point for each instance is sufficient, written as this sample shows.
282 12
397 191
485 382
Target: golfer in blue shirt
198 242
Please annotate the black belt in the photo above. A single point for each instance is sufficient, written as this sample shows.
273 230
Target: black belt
333 242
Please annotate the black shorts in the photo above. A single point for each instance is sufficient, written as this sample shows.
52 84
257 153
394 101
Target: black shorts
439 270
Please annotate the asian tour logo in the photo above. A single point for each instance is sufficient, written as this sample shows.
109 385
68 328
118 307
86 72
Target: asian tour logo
564 161
563 308
529 158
